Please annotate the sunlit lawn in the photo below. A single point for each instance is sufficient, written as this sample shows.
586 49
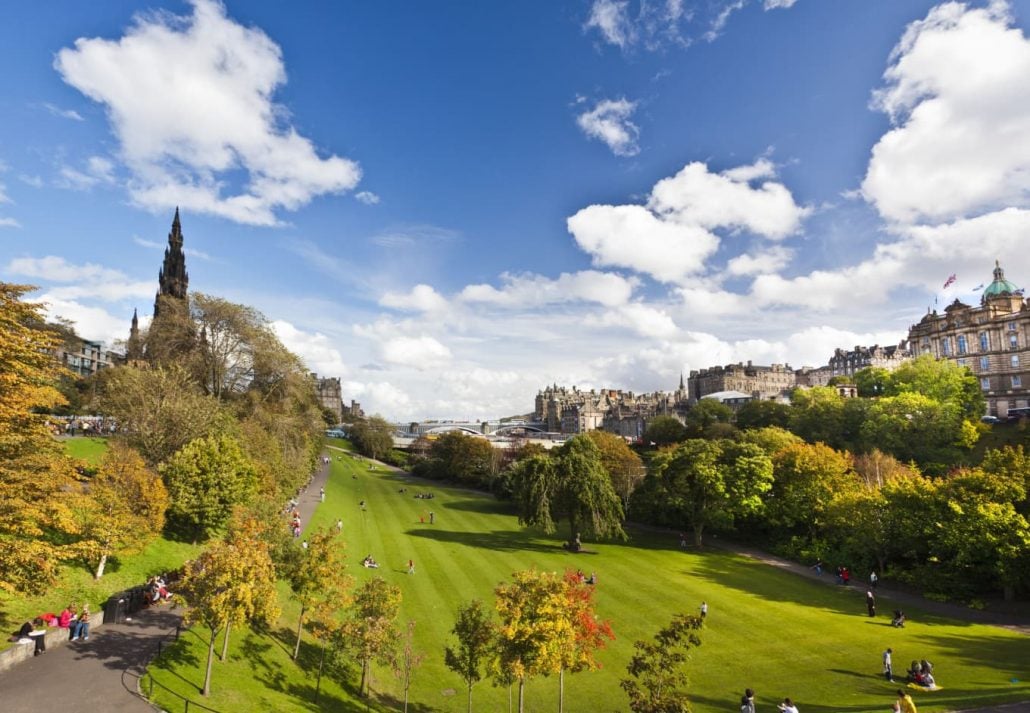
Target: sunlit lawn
775 632
86 448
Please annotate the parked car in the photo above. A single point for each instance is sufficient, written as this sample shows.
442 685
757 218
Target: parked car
990 419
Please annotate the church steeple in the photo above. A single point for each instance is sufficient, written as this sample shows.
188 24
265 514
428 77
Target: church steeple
173 279
134 348
682 387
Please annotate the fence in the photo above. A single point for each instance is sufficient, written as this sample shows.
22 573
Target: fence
147 681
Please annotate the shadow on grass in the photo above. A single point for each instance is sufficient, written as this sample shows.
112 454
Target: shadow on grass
498 540
178 656
254 650
479 505
1010 655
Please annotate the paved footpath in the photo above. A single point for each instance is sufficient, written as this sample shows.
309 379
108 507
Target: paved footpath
102 674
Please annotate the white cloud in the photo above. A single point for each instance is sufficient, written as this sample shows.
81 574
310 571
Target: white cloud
421 298
4 198
672 237
640 318
104 291
316 349
367 197
718 23
191 103
527 291
770 260
34 181
154 245
957 93
97 170
9 223
63 113
611 19
94 323
778 4
423 352
56 269
609 121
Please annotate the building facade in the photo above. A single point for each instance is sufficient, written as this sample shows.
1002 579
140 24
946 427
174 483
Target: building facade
558 409
85 358
992 339
330 395
760 382
847 362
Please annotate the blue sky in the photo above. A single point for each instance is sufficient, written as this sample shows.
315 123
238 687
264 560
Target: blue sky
450 205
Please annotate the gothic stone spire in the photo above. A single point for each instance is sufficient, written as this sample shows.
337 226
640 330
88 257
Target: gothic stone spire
172 278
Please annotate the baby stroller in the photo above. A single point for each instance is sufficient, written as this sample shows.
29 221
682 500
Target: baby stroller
899 619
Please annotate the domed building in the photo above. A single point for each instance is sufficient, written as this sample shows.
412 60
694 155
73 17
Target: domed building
992 339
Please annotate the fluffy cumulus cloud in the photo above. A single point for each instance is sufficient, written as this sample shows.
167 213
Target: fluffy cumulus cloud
191 103
56 269
421 352
760 262
957 93
609 122
421 298
611 19
671 237
315 348
525 291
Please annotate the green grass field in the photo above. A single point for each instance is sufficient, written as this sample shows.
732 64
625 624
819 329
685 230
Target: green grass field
773 631
85 448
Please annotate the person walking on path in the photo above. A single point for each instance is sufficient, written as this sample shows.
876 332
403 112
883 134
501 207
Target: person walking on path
321 495
411 566
873 579
905 702
888 666
432 517
870 602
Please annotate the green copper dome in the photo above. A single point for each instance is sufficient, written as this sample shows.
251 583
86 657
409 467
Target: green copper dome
1000 286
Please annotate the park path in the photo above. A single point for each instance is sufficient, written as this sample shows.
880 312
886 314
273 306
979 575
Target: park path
102 674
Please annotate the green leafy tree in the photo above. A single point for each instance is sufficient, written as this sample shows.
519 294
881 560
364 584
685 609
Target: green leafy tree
317 578
38 489
664 431
534 628
1012 464
125 507
941 380
461 457
571 485
705 414
806 479
230 583
657 682
912 426
475 633
817 415
623 465
372 437
771 439
762 414
713 482
873 382
205 481
368 632
589 633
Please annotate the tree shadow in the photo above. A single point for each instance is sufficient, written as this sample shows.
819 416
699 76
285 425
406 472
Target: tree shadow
481 506
498 540
129 644
253 649
179 656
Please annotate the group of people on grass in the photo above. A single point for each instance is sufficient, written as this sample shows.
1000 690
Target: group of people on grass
76 622
904 703
157 590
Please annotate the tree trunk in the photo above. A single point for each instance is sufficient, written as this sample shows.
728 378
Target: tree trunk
698 529
300 630
522 692
321 662
364 677
225 641
210 658
470 699
100 567
561 690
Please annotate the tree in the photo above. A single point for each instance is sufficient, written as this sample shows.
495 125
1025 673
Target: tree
125 508
410 659
229 583
624 466
877 468
461 457
369 632
38 489
912 426
533 629
873 382
817 415
806 479
940 380
664 431
475 633
762 414
317 577
373 436
713 482
159 409
657 680
705 414
589 633
1011 464
771 439
206 480
572 485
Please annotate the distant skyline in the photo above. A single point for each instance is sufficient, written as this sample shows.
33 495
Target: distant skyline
452 205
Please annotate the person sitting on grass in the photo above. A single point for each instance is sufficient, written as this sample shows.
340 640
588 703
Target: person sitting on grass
899 619
369 562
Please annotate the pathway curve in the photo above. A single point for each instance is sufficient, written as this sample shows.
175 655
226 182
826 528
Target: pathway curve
102 674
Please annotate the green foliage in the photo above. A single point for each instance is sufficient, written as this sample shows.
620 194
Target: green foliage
806 479
475 633
664 431
912 426
373 437
460 457
771 439
369 633
206 480
817 415
623 465
657 682
941 380
318 580
571 485
762 414
705 414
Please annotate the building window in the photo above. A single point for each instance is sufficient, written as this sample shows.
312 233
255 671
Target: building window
985 342
985 363
1013 341
961 362
1017 381
946 346
1014 361
1012 326
961 344
985 384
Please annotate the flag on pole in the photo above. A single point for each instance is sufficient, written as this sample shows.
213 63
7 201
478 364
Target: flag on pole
978 287
950 281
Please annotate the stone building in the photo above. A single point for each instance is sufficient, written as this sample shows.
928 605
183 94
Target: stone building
846 362
990 338
558 409
330 395
808 376
85 358
760 382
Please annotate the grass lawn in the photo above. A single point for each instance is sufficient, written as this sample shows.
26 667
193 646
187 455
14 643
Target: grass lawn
86 448
775 632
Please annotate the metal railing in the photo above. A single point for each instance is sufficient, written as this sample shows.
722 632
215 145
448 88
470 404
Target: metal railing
147 680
